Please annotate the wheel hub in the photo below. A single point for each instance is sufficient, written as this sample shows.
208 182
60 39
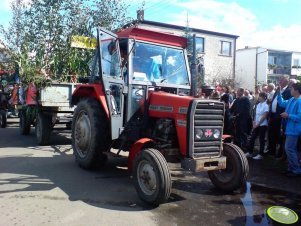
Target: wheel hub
82 134
147 177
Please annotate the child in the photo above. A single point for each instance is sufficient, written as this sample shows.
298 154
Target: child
260 126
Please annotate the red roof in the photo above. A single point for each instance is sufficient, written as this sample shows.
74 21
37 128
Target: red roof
153 36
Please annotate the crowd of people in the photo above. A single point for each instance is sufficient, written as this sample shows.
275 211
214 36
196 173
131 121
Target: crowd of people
272 115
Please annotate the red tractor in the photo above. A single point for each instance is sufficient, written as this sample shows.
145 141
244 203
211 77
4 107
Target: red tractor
139 99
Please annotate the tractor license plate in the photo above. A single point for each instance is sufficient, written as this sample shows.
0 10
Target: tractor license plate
204 164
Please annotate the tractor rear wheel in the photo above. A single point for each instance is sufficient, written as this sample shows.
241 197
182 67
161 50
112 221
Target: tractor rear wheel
152 178
236 172
90 134
3 118
43 128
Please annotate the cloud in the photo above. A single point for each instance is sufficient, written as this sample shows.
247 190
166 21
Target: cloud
5 5
278 37
232 18
218 16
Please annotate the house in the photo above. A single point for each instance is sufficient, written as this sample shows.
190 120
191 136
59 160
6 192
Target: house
217 49
257 65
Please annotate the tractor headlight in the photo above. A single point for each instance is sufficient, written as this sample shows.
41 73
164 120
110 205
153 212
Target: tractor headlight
199 133
216 133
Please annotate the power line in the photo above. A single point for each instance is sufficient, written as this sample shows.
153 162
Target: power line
159 7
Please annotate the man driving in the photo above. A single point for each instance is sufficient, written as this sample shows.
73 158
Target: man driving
143 63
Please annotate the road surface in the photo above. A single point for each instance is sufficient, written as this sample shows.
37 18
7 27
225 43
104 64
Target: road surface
44 186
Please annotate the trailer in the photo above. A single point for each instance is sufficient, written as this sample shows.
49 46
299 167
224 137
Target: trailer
52 107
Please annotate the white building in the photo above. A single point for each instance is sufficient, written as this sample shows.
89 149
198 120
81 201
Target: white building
217 49
257 65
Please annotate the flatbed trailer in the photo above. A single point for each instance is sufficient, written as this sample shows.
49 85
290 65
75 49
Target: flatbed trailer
52 107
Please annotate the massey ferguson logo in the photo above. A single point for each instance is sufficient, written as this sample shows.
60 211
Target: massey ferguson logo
208 133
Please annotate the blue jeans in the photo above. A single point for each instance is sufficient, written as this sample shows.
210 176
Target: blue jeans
292 155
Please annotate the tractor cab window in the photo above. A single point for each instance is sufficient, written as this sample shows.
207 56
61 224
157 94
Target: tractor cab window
159 64
110 57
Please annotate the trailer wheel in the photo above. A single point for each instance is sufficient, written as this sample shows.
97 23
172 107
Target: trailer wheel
152 177
3 118
90 134
24 124
43 128
236 172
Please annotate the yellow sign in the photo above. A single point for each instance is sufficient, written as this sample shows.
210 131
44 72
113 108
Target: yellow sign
83 42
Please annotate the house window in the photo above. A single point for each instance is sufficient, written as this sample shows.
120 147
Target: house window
200 47
225 48
272 60
296 62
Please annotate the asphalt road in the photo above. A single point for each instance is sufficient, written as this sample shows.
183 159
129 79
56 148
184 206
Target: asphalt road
44 186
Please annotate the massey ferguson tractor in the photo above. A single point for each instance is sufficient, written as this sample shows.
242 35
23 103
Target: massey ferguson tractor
140 99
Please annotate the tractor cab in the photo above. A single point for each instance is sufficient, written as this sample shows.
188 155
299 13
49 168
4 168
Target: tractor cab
135 62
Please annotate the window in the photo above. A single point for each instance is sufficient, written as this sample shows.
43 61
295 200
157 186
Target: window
225 48
200 47
159 64
296 62
272 60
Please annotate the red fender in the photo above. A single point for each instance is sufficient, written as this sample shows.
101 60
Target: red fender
226 136
135 149
90 90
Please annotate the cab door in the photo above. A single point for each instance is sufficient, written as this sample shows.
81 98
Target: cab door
111 77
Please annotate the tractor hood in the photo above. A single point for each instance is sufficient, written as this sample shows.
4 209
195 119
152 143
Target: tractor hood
167 105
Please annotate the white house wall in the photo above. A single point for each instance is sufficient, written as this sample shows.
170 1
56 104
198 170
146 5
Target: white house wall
262 65
246 68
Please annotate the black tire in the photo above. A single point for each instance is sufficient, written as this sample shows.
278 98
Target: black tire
160 190
236 172
24 124
3 119
43 128
90 134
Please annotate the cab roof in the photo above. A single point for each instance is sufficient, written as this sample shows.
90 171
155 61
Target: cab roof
153 36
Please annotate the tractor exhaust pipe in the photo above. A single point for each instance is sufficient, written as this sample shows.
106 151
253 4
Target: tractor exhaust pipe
193 69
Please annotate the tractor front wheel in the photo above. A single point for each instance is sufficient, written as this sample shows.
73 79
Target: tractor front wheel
152 178
236 172
90 134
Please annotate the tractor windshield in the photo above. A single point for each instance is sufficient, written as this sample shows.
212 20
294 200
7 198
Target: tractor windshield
160 64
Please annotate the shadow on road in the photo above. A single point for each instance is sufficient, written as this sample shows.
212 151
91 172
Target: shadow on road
109 187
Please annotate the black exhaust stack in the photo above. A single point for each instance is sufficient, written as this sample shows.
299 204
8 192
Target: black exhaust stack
193 70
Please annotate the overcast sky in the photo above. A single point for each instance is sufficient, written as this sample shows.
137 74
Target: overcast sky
267 23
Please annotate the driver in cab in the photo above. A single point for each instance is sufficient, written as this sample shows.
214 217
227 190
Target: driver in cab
145 67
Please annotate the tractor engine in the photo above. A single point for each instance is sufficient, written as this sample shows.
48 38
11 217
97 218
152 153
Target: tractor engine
165 132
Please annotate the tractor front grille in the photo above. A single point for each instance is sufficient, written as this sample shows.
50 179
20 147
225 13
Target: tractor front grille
206 128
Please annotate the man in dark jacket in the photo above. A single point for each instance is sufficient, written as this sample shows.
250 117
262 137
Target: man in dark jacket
274 131
241 109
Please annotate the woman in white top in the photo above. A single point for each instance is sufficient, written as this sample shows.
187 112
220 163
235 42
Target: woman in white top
260 125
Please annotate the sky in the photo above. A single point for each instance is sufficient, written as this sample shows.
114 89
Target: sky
267 23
